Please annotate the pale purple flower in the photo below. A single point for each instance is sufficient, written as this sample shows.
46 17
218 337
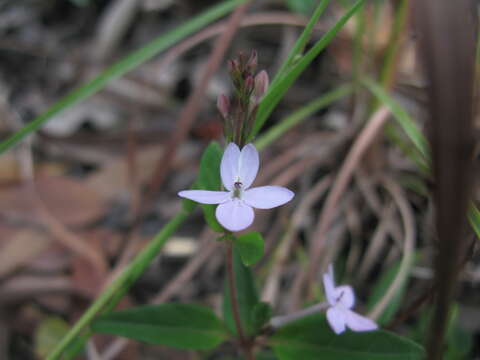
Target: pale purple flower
238 170
341 300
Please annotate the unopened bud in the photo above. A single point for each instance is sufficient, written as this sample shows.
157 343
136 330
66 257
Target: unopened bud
252 62
233 66
223 105
261 84
249 85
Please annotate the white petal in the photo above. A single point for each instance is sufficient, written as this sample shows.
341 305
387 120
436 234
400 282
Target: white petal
358 322
248 165
345 296
229 165
329 287
205 196
234 215
267 197
336 318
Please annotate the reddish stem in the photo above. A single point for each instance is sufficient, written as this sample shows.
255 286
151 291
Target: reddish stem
244 342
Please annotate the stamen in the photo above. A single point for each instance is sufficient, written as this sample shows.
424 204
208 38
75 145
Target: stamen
237 189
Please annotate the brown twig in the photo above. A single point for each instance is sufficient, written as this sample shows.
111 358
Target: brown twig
367 135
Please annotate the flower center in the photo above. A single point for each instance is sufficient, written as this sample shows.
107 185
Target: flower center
237 189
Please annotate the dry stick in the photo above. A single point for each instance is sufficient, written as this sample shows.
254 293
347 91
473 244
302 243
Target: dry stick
408 220
365 138
267 18
280 258
279 321
67 237
376 243
208 247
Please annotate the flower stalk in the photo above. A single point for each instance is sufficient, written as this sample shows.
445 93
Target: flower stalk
245 343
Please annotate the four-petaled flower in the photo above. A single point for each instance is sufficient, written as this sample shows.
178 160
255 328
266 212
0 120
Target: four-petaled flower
238 170
341 299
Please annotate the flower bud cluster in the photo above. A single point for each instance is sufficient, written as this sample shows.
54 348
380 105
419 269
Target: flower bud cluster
249 88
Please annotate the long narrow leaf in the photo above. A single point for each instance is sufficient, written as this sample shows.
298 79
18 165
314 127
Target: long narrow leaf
122 67
276 92
302 41
121 284
401 116
305 111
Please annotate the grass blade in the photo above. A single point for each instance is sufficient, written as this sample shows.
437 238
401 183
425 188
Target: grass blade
278 90
293 119
301 42
121 67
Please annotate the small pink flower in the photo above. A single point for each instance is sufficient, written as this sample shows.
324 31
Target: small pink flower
341 300
238 170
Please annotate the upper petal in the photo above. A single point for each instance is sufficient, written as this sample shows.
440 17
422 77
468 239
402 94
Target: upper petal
345 296
329 286
358 322
229 165
234 215
267 197
337 319
248 165
205 196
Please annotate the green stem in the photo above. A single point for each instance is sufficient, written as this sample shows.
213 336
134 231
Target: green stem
122 283
388 69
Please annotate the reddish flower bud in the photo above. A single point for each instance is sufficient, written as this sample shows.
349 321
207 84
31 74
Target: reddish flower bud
252 62
261 85
223 105
249 84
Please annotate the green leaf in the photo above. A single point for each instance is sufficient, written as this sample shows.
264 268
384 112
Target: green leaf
304 7
247 297
209 179
311 339
402 117
381 287
177 325
302 41
209 174
281 85
114 292
123 66
261 314
250 247
474 219
48 333
459 342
